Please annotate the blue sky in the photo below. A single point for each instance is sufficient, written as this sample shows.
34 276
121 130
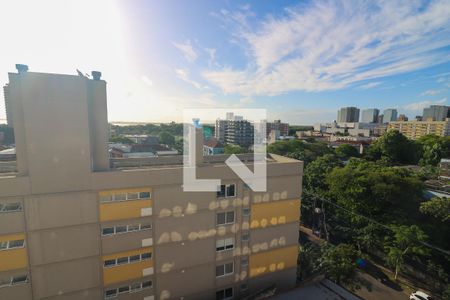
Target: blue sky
301 60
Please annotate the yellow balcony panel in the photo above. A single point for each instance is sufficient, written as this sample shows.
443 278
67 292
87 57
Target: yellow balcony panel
127 272
275 213
125 210
15 258
273 261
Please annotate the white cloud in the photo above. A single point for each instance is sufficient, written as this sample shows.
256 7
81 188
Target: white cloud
187 50
370 85
147 80
184 75
246 100
332 44
431 92
419 106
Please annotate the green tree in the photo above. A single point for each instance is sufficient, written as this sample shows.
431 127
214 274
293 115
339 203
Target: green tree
406 241
339 264
434 148
438 208
345 151
316 172
394 147
234 149
166 138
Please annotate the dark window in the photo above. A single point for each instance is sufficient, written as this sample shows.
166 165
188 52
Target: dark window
229 268
146 255
108 230
105 198
120 197
135 258
109 262
124 289
12 207
246 211
16 244
3 245
231 190
144 195
245 236
132 196
146 284
122 260
224 294
221 193
146 226
121 229
244 262
220 218
136 286
230 217
134 227
244 287
111 293
19 279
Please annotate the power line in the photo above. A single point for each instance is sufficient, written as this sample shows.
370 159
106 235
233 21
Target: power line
379 224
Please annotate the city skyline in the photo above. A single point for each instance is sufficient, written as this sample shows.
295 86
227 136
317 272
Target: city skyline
158 60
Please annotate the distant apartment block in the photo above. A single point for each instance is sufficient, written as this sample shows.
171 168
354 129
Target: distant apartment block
402 117
348 115
75 224
283 128
234 130
389 115
417 129
436 113
370 115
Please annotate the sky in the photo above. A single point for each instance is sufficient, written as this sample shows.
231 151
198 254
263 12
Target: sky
299 60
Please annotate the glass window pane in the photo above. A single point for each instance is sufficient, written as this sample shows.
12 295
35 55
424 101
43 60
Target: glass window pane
121 229
220 218
231 190
111 293
220 295
146 255
145 226
229 268
220 271
244 262
229 293
122 260
1 207
144 195
246 211
105 198
134 258
108 230
135 286
133 227
244 287
13 207
3 245
19 279
109 262
230 217
124 289
16 244
245 236
132 196
146 284
119 197
221 193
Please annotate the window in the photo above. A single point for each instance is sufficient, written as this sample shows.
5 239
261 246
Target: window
246 211
109 263
244 262
132 196
121 229
19 279
124 289
244 287
225 244
146 284
135 258
245 236
134 227
110 293
16 244
11 207
123 260
105 198
144 195
228 190
225 269
108 230
231 190
119 197
225 218
3 245
146 255
224 294
146 226
135 287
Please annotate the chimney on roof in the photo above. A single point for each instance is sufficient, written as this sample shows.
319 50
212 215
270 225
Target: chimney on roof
96 75
21 68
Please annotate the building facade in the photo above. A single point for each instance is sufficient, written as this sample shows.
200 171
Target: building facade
389 115
417 129
75 224
348 115
370 115
436 113
283 128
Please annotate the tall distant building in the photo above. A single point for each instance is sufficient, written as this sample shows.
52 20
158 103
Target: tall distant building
7 106
402 117
348 115
75 224
220 130
436 113
283 128
370 115
239 132
389 115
